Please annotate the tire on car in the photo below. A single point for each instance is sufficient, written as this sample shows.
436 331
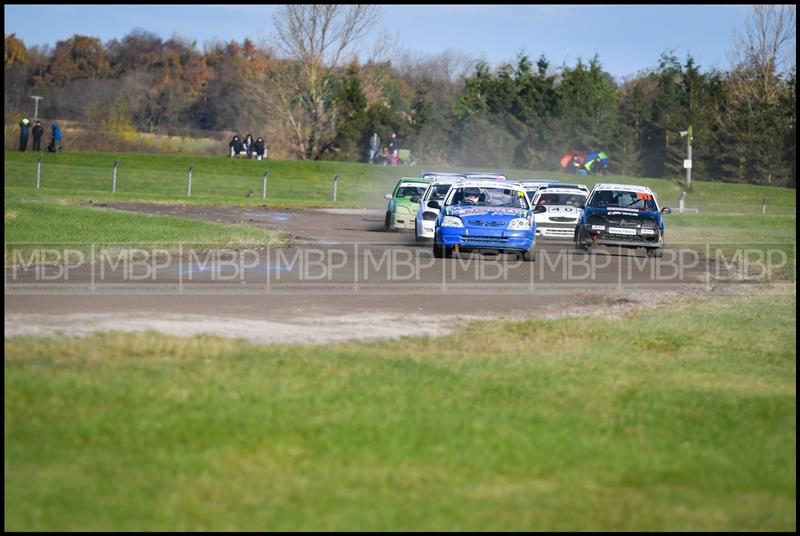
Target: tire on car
529 256
440 251
579 244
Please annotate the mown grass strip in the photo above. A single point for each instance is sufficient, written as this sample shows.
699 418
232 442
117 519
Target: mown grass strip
677 419
31 223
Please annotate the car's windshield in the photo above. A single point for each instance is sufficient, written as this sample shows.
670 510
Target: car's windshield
407 190
438 192
491 197
575 200
622 199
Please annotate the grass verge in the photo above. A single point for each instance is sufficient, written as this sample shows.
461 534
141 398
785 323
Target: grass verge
676 419
32 223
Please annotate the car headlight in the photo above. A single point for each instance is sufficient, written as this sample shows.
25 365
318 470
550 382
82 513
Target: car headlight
519 224
402 209
452 221
429 216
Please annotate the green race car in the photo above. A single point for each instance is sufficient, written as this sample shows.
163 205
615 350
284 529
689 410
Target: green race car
404 203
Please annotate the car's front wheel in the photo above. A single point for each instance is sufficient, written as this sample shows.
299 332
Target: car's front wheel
579 244
529 256
387 224
440 251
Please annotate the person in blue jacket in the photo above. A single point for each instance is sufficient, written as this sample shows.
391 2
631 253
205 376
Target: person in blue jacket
24 130
55 139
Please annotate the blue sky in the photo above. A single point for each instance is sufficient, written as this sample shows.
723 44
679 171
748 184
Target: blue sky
626 38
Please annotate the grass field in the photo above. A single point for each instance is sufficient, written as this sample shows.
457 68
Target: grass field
294 183
572 424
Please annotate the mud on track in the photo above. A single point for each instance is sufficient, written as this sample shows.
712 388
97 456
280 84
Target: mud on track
342 277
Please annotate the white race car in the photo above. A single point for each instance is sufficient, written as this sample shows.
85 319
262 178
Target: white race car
437 190
557 209
531 185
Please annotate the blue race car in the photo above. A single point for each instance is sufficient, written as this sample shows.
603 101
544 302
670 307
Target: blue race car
484 215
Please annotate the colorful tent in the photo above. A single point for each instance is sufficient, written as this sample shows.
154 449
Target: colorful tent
567 158
593 156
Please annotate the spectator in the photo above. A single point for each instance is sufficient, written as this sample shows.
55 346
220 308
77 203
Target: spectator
394 148
374 146
384 156
598 167
576 163
248 145
260 148
235 145
56 144
24 128
38 132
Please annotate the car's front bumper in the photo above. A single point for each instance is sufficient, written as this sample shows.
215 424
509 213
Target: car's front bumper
402 221
604 238
472 238
556 230
427 229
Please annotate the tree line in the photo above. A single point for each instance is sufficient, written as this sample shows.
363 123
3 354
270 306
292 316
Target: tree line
312 104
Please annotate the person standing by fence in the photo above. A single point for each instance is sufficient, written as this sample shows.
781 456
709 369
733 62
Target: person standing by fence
55 139
260 148
24 129
374 146
38 132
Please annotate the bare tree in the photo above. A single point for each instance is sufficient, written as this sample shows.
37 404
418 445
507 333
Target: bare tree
316 40
763 52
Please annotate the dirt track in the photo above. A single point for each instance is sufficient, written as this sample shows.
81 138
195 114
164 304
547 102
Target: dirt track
342 277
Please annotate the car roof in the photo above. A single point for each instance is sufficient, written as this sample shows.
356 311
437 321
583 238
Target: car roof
486 175
445 180
560 190
438 175
571 185
486 183
624 187
414 179
531 183
539 180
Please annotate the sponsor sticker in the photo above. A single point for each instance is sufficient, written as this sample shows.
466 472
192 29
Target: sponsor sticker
621 231
488 211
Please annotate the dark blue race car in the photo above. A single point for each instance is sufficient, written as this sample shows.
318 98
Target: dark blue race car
622 215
